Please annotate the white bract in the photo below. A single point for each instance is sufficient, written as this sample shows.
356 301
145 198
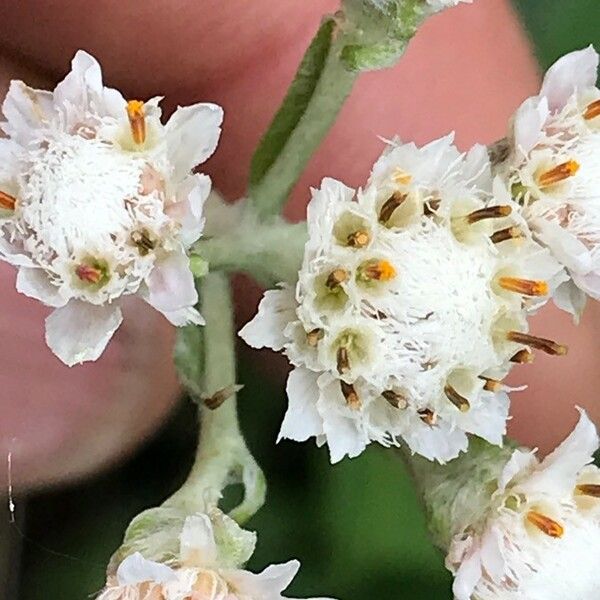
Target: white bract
198 573
99 202
553 171
410 307
540 537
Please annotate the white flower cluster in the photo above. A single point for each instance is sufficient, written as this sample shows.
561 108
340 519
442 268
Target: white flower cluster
553 170
98 202
411 306
539 538
203 569
438 5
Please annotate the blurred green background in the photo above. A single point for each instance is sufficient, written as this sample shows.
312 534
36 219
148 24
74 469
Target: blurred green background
356 528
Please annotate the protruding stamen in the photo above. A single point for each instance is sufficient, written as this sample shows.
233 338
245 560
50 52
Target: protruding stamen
527 287
491 385
401 177
592 111
343 361
589 489
376 270
88 273
143 241
7 201
313 337
545 524
359 239
349 392
390 205
427 416
431 206
395 399
558 173
510 233
336 278
547 346
522 357
491 212
459 401
213 402
137 120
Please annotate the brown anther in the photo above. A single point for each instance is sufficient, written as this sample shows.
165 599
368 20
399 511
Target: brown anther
491 385
558 173
358 239
592 111
377 270
137 120
313 337
395 399
343 362
7 201
401 177
213 402
431 207
142 240
547 346
427 416
390 205
588 489
522 357
336 278
491 212
545 524
527 287
510 233
88 273
352 399
459 401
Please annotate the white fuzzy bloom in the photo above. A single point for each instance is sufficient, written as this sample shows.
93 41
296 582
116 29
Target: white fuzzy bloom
398 327
438 5
553 170
198 573
540 537
99 202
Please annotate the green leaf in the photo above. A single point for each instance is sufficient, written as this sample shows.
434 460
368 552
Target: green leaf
189 358
295 103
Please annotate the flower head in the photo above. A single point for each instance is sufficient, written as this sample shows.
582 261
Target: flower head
200 571
410 307
99 202
539 536
553 171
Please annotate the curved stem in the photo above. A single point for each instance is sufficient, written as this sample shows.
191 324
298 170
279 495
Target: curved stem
222 457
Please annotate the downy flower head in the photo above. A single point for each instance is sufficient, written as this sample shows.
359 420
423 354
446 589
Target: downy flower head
203 568
553 171
99 202
538 538
410 307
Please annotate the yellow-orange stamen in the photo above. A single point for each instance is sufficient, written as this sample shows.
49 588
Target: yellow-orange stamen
359 239
88 273
377 270
313 337
336 278
459 401
510 233
592 111
7 201
427 416
390 205
522 357
491 385
558 173
547 346
352 399
589 489
137 120
395 399
545 524
401 177
491 212
527 287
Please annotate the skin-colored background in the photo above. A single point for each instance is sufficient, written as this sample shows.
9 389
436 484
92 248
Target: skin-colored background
356 526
